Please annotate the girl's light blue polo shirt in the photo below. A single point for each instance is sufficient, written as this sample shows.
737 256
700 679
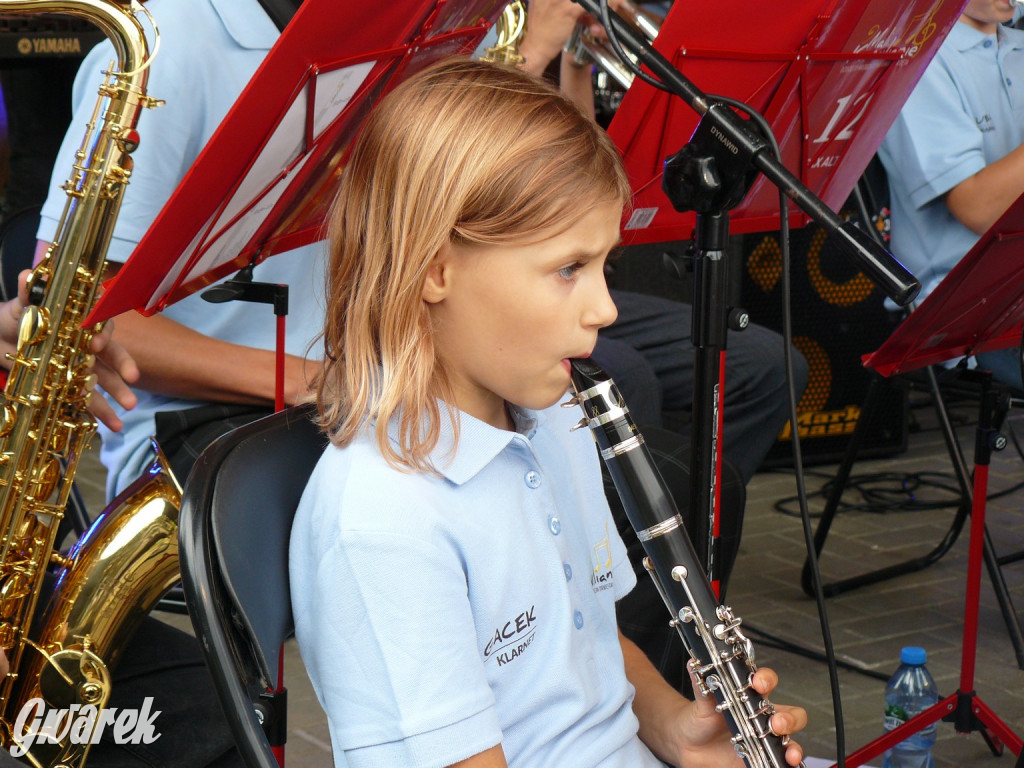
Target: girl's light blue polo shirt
441 615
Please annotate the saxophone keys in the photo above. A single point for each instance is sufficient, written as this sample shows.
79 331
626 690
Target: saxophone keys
35 324
59 560
45 482
10 418
127 139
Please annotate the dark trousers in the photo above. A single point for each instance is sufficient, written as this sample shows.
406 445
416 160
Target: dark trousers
649 353
165 663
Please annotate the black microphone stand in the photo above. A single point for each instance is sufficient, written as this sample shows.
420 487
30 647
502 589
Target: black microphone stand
710 178
711 175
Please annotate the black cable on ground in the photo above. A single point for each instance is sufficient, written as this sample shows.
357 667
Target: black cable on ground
768 640
892 492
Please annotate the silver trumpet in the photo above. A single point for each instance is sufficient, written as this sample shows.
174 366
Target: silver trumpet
587 49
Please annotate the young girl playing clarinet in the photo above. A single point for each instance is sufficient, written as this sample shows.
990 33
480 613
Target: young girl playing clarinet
454 565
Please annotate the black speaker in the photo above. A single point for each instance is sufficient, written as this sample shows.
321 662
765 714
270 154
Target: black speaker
838 315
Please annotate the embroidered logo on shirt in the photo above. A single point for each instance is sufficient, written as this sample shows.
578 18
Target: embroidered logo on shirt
985 123
511 639
601 578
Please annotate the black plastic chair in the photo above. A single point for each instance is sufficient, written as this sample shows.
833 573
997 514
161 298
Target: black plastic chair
236 517
17 248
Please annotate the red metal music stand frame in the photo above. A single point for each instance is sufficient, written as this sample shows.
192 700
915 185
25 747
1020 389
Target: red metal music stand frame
978 307
265 179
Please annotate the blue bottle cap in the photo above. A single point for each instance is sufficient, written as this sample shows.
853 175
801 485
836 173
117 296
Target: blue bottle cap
911 654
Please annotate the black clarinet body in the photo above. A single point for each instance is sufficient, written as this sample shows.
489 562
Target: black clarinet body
721 658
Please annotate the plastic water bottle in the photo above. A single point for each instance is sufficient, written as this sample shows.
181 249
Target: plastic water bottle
910 691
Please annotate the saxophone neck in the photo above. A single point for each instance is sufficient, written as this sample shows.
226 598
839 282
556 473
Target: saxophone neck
119 21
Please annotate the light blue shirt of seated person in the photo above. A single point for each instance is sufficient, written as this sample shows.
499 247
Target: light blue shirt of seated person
209 50
439 615
966 112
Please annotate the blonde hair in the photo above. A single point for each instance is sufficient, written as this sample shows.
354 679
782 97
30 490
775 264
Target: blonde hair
462 152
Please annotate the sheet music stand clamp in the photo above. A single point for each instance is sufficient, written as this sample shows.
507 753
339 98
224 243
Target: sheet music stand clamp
242 288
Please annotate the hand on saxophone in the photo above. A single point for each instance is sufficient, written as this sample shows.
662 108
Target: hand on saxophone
706 735
114 368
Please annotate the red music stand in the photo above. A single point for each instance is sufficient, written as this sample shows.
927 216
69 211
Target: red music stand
978 307
829 75
264 180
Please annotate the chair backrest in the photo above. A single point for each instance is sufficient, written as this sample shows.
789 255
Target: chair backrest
17 248
236 517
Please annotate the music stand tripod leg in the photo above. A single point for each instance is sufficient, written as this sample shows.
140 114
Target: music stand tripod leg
971 713
842 478
964 708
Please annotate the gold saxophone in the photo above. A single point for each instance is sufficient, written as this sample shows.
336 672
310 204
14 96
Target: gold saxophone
509 28
122 565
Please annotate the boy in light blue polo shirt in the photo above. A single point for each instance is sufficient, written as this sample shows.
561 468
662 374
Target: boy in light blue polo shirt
454 565
954 156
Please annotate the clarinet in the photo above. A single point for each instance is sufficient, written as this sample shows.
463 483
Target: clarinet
721 657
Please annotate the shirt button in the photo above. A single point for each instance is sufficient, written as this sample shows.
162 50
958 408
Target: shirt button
577 620
988 44
554 525
1009 81
568 571
532 479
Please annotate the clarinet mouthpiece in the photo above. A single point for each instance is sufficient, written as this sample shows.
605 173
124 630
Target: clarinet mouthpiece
586 374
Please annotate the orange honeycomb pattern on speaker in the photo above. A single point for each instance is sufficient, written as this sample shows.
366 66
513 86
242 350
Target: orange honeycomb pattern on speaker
765 268
819 378
845 294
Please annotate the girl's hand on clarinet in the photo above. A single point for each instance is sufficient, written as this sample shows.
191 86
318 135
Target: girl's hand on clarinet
708 736
788 719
